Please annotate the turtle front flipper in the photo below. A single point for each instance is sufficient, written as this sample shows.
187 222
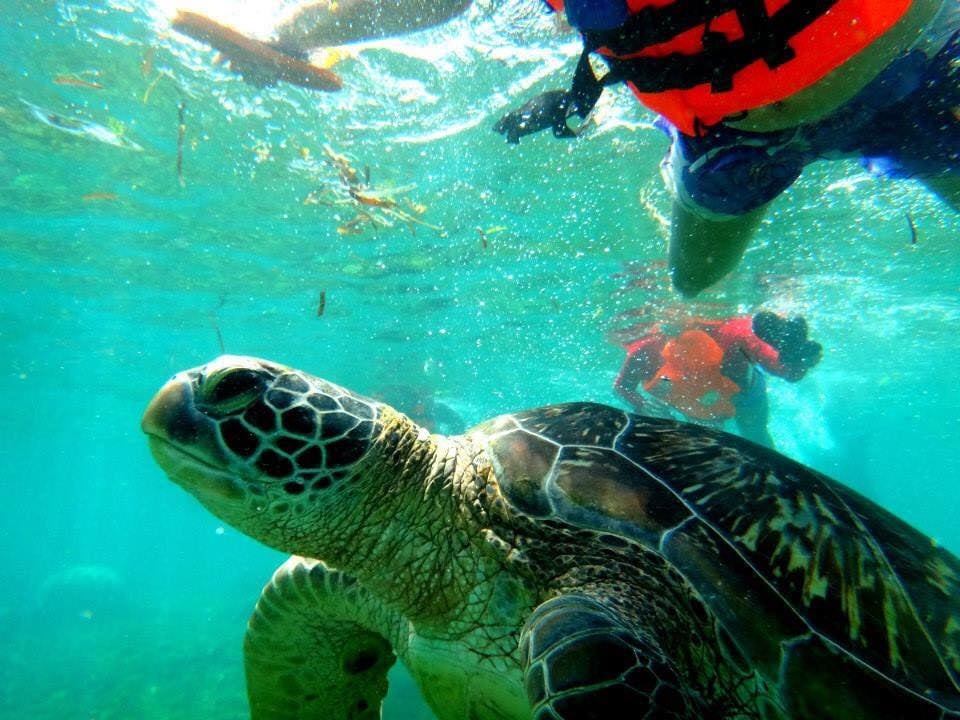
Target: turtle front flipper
317 647
581 661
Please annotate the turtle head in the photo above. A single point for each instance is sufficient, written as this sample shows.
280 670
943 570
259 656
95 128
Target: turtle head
264 447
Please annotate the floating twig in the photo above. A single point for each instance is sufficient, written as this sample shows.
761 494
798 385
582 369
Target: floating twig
216 328
373 206
485 234
181 131
372 199
146 64
151 86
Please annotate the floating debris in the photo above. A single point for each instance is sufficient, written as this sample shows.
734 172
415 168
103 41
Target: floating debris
181 132
75 81
216 328
373 207
355 225
485 234
348 176
153 84
375 199
100 196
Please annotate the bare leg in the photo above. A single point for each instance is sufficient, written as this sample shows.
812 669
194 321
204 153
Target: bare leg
946 188
336 22
703 250
753 411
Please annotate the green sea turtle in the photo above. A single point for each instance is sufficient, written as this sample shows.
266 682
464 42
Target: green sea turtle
568 562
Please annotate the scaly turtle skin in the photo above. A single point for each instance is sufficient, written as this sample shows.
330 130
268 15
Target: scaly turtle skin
568 562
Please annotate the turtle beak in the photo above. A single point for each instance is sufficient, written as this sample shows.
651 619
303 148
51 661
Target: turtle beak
171 415
185 444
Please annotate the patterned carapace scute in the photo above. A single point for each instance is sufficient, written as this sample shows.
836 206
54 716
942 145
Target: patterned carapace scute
289 425
803 572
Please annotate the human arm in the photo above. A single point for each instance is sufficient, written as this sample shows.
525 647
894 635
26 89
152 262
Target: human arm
643 404
337 22
629 393
632 374
640 364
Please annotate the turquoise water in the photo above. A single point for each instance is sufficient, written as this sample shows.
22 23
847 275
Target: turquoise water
121 597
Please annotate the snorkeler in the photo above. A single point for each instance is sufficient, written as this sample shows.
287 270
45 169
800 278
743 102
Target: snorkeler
714 371
749 91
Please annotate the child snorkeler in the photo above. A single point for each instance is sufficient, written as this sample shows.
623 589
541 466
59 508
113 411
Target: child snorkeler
749 91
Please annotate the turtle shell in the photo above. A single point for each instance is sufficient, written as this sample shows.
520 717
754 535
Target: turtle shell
850 610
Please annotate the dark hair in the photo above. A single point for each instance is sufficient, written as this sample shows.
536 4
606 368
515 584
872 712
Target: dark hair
768 326
788 338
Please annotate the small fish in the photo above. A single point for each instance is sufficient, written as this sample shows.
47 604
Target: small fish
82 128
913 229
322 305
96 196
77 82
483 237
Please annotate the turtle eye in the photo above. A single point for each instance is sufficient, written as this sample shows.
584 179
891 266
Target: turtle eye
226 391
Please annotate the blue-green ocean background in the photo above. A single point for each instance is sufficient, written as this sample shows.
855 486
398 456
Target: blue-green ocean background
120 597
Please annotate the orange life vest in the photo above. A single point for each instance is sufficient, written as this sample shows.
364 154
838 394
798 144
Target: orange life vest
697 66
698 388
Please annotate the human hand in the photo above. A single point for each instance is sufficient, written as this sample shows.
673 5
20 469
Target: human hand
549 109
802 356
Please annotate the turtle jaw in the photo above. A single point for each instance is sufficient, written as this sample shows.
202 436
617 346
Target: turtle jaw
184 444
193 474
